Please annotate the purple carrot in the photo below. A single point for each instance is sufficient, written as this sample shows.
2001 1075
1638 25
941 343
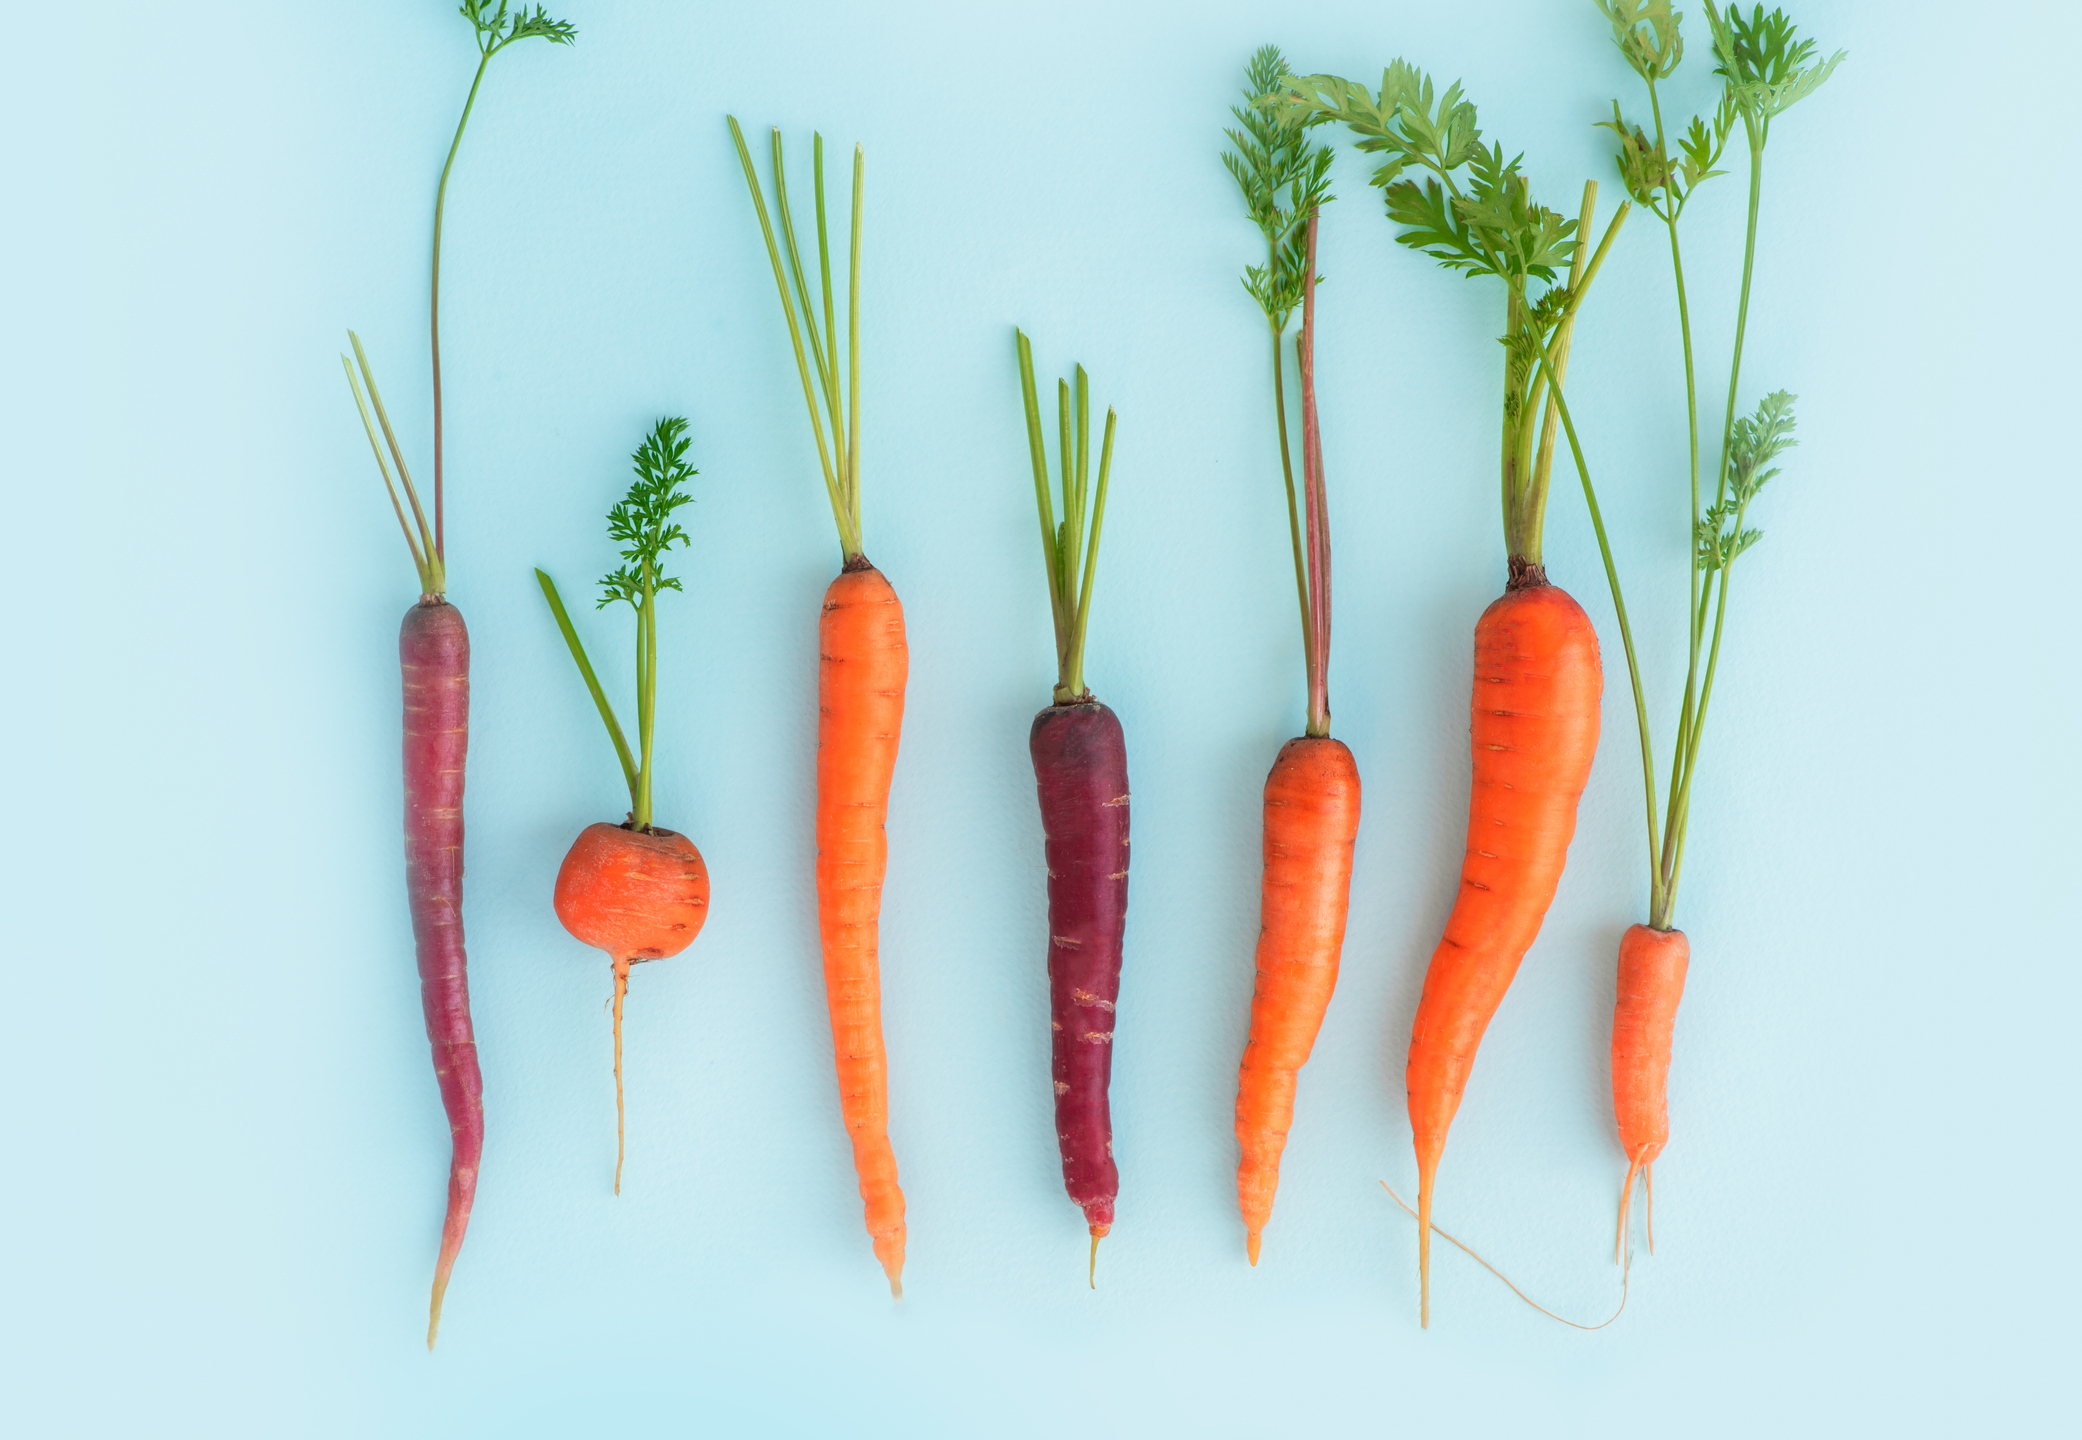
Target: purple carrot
1081 771
434 651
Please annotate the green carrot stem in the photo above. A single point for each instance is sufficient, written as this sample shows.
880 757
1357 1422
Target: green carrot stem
585 670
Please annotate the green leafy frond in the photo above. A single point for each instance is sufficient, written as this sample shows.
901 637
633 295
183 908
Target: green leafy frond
1646 33
642 522
1283 178
497 27
1754 442
1768 68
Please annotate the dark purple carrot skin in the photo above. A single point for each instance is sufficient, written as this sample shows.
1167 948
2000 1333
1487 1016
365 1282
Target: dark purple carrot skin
434 651
1081 771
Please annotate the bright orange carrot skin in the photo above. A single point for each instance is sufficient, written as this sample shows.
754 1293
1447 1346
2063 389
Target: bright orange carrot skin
638 895
1652 964
1534 731
863 664
1311 822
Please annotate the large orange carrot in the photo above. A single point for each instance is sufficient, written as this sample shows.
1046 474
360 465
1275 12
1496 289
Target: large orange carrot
860 707
1534 729
1537 681
1312 794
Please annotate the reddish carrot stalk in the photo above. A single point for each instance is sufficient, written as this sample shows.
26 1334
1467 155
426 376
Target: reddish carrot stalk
634 891
434 654
1312 795
1081 775
1537 678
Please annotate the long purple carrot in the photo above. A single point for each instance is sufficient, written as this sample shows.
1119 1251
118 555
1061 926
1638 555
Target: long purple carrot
1081 772
434 651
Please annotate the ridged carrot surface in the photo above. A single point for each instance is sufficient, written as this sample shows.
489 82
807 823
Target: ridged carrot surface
1533 730
1311 822
862 666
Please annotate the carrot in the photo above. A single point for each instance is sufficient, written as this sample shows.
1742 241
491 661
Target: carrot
1081 776
1765 70
1537 680
434 656
637 890
861 669
1312 794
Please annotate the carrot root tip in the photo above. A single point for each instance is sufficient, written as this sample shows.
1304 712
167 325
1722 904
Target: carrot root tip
1250 1244
1092 1274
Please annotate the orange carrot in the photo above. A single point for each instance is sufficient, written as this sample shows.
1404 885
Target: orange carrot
1537 678
1651 981
1312 794
1311 821
1534 731
861 671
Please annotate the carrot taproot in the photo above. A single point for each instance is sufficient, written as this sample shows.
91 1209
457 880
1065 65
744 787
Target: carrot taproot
862 666
1312 795
635 891
434 654
1537 677
1080 757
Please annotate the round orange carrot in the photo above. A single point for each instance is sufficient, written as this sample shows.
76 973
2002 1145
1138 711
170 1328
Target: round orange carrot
1311 821
1651 982
638 895
1534 729
862 666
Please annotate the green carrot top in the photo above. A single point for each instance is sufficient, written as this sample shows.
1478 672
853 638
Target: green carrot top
1474 213
833 408
1075 537
494 28
642 523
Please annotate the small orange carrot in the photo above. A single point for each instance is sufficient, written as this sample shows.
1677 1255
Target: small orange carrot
862 666
1312 794
1651 982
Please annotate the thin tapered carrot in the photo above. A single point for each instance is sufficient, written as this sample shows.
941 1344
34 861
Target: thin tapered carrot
862 666
1644 1018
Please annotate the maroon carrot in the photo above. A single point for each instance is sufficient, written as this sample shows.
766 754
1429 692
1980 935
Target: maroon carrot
1081 774
434 653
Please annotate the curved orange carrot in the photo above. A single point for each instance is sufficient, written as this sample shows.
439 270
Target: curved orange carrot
1534 729
862 666
638 895
1651 982
1311 821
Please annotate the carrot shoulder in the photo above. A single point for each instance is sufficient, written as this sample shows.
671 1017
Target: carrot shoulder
862 667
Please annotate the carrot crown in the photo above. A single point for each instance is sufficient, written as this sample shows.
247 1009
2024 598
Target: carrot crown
1076 536
494 29
644 526
834 409
1474 213
1285 183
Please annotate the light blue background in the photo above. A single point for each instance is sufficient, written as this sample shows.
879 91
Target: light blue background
222 1152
